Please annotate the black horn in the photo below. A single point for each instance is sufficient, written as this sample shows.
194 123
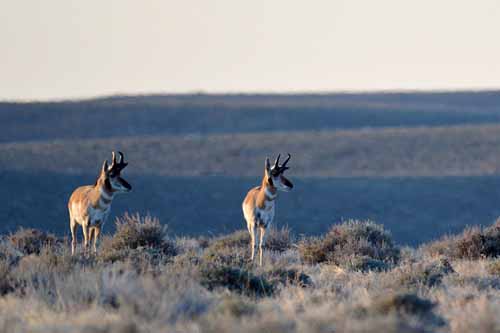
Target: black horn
277 162
121 157
120 165
286 161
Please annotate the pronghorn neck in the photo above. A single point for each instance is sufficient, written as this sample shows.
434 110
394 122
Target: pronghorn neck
268 189
104 195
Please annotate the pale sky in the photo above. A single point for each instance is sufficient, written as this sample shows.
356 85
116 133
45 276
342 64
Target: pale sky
53 49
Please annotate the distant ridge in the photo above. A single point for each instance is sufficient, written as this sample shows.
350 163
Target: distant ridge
265 96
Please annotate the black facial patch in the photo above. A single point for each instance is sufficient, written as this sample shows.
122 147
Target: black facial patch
107 185
125 184
113 174
286 182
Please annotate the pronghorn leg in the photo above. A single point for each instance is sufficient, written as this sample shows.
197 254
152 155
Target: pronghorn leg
91 235
97 231
253 245
261 243
72 227
86 234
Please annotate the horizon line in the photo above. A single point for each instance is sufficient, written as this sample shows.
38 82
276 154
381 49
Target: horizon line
201 92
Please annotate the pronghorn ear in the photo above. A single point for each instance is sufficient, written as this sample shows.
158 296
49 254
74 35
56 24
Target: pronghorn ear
105 167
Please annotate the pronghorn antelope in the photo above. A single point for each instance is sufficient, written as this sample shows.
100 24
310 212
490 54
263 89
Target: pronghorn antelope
89 205
258 206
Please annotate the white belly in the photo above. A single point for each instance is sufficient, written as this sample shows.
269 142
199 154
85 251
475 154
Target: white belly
98 214
264 217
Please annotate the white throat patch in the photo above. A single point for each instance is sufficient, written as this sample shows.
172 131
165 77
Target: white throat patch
105 195
269 194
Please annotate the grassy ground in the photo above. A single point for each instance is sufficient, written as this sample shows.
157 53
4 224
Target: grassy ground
353 278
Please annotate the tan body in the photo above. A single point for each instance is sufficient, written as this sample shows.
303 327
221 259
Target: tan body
89 206
258 210
259 204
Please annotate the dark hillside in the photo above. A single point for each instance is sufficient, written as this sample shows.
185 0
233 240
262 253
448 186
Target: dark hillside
204 114
423 164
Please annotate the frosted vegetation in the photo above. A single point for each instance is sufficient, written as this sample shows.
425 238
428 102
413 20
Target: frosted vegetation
354 278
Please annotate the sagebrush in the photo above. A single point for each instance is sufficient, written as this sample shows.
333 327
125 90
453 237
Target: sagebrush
353 279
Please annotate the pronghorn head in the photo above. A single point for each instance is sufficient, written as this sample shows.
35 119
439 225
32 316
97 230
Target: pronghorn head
275 175
111 178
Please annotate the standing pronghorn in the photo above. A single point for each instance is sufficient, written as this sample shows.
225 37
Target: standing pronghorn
89 205
258 206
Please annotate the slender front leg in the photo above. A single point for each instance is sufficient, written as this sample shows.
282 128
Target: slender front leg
261 243
97 231
252 239
72 227
91 234
86 234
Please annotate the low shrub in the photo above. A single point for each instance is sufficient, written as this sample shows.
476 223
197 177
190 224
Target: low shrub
349 240
6 283
288 277
279 240
59 259
404 303
236 240
428 274
30 241
214 276
134 232
473 243
315 250
403 307
235 306
232 250
493 268
365 264
227 256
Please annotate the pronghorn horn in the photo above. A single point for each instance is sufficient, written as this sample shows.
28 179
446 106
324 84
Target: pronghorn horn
286 161
268 164
277 162
121 163
105 166
113 160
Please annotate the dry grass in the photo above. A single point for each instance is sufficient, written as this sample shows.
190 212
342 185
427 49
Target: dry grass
191 291
473 243
30 241
359 245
